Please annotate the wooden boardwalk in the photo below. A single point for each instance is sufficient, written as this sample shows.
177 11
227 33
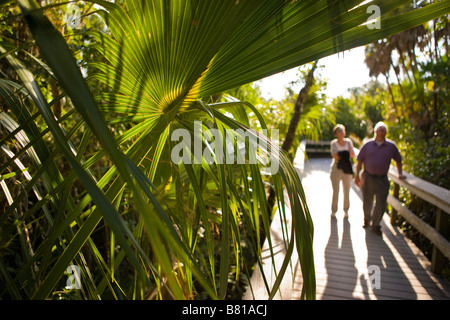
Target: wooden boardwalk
352 262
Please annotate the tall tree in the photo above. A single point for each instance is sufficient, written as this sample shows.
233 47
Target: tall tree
298 109
292 129
379 60
169 220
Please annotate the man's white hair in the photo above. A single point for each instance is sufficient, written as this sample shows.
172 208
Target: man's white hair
380 124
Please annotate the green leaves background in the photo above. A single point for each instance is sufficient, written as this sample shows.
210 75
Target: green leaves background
174 230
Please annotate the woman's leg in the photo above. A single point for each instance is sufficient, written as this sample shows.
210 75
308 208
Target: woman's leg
346 181
335 179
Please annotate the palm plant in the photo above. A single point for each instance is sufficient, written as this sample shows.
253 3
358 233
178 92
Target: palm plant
167 222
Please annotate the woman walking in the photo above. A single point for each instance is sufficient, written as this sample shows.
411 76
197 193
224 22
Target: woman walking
341 168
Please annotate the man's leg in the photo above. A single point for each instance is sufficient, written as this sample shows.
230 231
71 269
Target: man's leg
381 194
368 193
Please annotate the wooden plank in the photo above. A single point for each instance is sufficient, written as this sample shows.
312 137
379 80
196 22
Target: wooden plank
317 149
343 251
264 276
437 258
438 196
318 142
342 257
394 213
435 237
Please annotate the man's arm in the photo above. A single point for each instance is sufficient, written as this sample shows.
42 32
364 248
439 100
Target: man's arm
401 176
398 160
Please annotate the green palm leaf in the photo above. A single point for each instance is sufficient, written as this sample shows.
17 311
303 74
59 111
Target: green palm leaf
157 64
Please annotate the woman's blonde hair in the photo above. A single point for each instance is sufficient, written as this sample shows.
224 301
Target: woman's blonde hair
337 128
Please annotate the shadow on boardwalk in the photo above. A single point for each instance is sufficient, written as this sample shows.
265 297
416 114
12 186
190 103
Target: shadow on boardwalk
339 257
354 263
351 262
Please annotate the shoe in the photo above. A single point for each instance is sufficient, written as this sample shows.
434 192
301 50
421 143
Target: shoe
377 230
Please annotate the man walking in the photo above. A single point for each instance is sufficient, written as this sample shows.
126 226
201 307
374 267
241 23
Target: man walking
376 156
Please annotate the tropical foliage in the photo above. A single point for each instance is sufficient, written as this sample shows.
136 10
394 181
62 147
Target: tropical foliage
88 134
413 99
418 108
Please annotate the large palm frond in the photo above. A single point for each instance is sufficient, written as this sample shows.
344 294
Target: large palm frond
159 60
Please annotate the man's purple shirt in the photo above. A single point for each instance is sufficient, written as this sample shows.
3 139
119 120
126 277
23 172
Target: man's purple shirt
377 159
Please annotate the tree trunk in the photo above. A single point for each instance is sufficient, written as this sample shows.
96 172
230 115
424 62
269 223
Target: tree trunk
396 70
386 75
298 109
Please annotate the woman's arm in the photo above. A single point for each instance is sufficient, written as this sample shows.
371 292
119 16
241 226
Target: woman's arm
358 170
352 152
333 150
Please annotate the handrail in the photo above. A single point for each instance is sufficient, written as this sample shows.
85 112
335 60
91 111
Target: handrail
320 146
319 142
433 194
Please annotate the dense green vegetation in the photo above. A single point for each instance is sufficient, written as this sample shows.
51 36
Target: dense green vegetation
91 95
416 107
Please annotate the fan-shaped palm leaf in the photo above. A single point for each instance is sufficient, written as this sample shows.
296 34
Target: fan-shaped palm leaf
159 59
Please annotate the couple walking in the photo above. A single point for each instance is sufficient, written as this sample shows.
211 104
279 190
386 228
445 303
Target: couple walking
375 156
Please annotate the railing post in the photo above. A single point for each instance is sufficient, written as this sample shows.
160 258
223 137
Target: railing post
394 214
437 258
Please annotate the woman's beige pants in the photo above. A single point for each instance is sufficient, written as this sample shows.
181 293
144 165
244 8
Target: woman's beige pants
336 176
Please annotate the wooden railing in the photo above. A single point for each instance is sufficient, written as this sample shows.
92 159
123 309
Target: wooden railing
316 146
437 196
433 194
